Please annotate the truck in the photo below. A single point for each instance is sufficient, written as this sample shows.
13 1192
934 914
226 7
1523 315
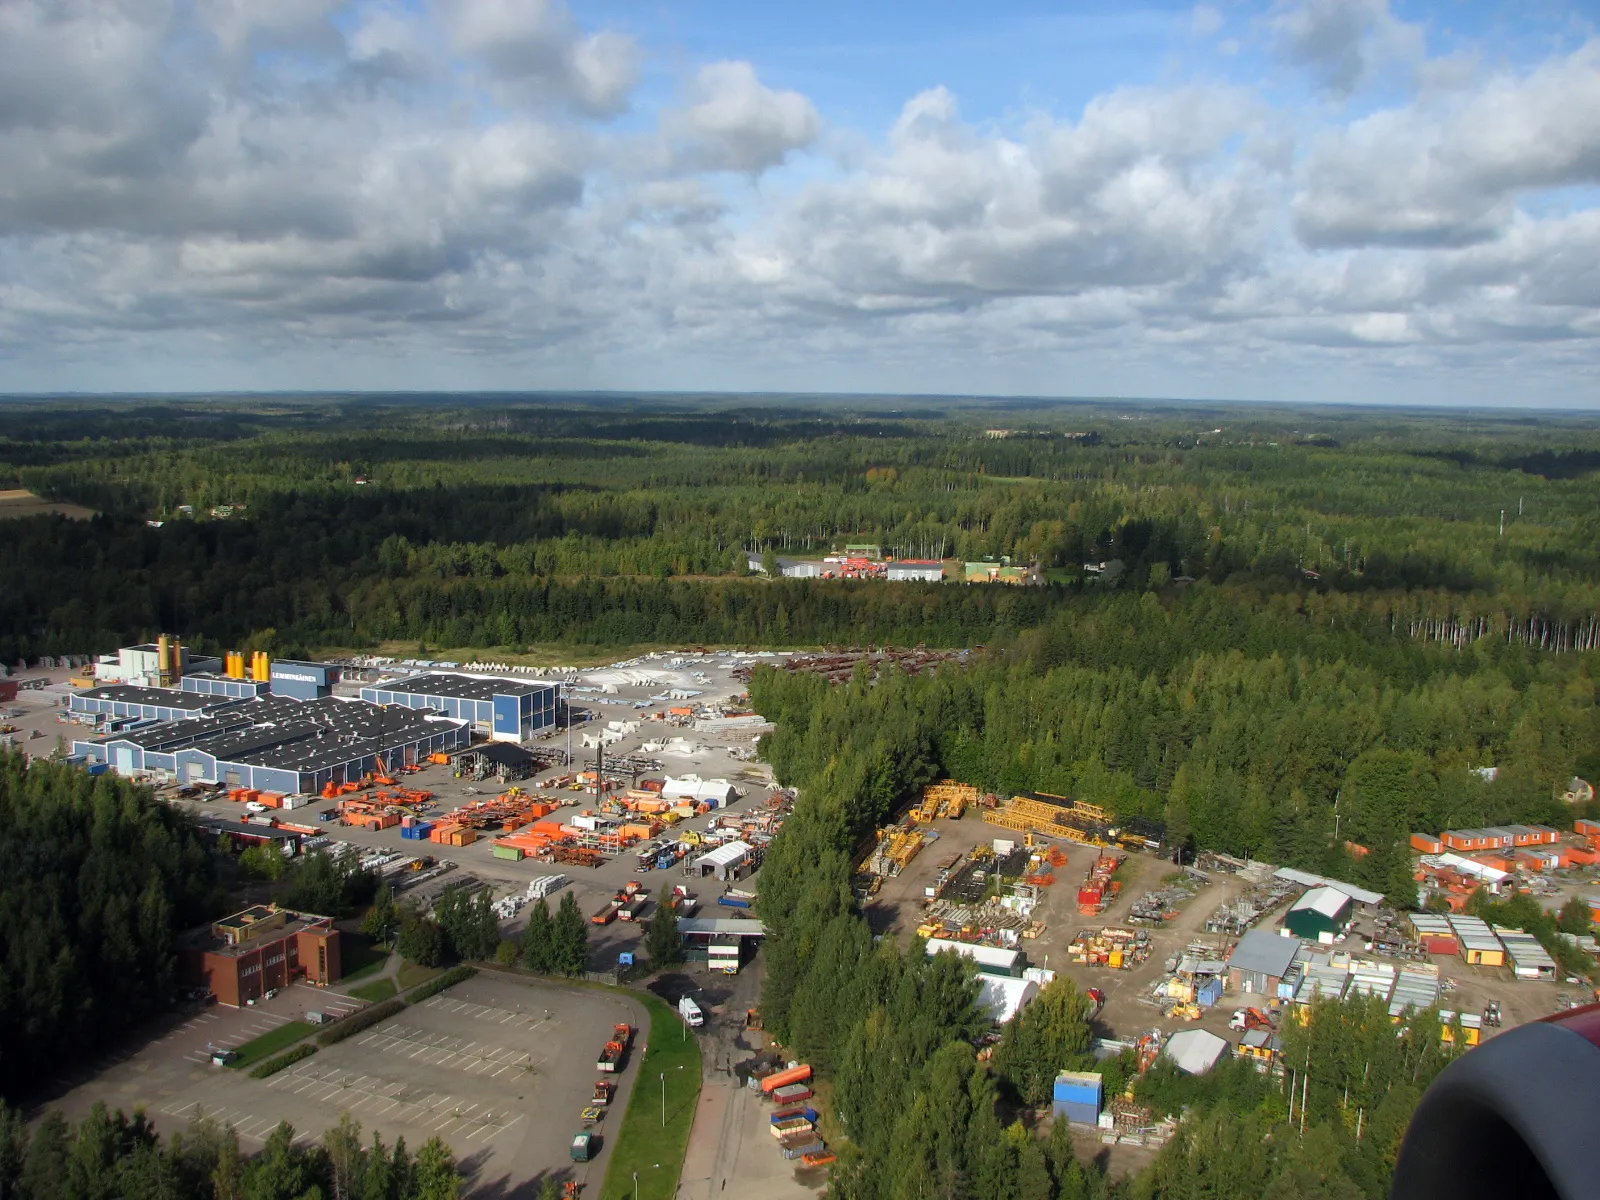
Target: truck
605 1091
612 1054
582 1146
633 910
606 913
690 1012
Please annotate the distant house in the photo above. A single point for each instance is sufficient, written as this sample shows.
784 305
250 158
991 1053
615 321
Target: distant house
1579 791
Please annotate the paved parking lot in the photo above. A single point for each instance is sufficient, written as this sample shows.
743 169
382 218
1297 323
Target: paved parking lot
499 1068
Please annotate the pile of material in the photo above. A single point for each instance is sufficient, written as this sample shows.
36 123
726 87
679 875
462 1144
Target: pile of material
1111 946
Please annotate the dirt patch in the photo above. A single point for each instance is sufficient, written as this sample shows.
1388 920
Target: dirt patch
18 502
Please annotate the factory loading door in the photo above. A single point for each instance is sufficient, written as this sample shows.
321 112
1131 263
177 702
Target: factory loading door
232 779
192 772
124 760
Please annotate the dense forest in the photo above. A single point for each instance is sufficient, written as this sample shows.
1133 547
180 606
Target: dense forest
505 523
109 1154
99 877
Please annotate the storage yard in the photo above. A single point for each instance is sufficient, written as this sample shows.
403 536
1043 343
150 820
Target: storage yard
1169 950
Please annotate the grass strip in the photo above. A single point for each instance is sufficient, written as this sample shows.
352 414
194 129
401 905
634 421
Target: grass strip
646 1144
411 974
365 1018
273 1065
438 984
269 1044
372 993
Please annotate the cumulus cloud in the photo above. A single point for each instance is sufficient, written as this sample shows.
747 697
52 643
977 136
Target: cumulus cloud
950 215
734 122
349 178
536 46
1343 42
1449 171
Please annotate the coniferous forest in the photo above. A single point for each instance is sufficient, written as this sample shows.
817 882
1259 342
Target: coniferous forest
1308 620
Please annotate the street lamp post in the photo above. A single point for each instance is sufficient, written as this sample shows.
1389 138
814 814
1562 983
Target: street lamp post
663 1099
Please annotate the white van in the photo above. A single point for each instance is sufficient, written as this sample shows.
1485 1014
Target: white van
690 1012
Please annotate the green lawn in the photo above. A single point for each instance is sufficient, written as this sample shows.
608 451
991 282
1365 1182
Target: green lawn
411 974
643 1143
269 1044
378 989
362 957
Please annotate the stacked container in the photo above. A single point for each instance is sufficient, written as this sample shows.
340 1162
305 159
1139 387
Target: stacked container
1077 1097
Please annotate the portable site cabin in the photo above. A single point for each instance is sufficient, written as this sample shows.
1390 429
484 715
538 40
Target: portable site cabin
1321 915
1479 946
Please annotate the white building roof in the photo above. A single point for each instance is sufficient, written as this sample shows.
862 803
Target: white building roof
725 856
1005 997
734 926
1263 952
1328 901
987 956
1307 879
1195 1051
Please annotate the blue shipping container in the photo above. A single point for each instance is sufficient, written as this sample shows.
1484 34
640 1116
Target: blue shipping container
1209 993
1078 1114
1078 1087
733 901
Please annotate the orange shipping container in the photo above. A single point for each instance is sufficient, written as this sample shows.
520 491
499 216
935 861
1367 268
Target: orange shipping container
783 1078
271 799
1426 843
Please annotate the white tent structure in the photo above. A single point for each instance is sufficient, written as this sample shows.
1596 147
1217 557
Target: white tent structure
1005 997
692 787
1195 1051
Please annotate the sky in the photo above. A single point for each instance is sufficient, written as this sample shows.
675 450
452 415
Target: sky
1286 200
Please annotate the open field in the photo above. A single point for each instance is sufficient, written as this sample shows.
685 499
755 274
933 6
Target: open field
498 1067
18 502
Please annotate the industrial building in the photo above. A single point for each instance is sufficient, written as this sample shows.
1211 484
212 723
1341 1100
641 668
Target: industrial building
991 960
504 710
276 744
923 570
1260 962
719 942
240 958
1321 915
303 680
119 704
1306 879
154 664
730 861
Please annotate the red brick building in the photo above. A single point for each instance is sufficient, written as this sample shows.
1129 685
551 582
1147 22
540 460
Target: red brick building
243 956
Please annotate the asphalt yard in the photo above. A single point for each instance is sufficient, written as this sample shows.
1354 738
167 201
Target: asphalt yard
498 1067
